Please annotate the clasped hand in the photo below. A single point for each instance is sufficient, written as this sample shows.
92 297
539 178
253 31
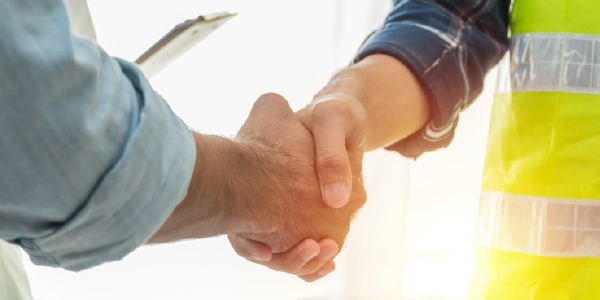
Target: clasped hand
304 187
291 179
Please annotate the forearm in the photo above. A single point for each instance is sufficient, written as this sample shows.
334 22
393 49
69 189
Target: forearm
262 185
449 46
395 102
232 191
208 206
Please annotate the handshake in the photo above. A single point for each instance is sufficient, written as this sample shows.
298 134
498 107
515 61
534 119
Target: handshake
289 179
277 189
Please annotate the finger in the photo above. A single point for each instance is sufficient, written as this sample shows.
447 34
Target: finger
294 259
356 159
329 249
324 271
250 249
331 122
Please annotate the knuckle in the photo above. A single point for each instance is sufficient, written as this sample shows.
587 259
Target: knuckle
238 248
330 158
240 252
331 109
305 271
294 270
290 268
269 100
270 106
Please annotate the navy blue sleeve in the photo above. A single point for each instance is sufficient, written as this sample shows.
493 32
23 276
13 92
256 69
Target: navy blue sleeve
450 45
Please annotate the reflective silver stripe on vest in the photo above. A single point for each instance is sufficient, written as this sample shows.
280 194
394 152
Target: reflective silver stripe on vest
539 226
552 62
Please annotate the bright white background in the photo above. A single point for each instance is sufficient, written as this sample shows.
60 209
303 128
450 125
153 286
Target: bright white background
420 226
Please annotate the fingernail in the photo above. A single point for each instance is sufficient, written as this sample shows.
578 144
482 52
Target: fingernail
334 193
307 254
325 272
258 258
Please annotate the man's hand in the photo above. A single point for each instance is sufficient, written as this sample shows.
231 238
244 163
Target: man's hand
263 187
369 105
288 186
318 264
309 259
338 122
339 151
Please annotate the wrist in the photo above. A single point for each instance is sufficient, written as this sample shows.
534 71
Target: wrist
396 105
349 82
256 208
210 201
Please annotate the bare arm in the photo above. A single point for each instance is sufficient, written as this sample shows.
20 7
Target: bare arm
369 105
207 209
395 103
261 186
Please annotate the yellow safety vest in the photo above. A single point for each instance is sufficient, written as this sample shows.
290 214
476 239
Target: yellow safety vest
538 229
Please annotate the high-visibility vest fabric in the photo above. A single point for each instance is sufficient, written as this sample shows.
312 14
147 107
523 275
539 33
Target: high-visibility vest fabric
538 227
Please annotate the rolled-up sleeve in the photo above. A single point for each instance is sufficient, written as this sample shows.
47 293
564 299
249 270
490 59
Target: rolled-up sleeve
92 159
450 45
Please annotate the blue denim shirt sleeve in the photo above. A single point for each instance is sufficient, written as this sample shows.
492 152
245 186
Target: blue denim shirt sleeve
450 45
92 160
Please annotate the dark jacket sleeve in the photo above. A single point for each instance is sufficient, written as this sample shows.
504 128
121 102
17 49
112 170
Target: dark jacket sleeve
450 45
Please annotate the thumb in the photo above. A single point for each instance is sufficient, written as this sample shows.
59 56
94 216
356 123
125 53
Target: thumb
332 124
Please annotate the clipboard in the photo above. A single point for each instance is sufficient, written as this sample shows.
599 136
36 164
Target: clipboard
178 41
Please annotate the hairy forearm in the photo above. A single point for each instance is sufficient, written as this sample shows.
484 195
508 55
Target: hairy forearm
232 191
210 201
395 102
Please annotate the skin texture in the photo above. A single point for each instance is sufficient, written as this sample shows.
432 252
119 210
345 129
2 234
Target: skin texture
369 105
286 155
262 187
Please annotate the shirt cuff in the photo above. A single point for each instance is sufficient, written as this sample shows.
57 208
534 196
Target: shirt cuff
449 58
134 198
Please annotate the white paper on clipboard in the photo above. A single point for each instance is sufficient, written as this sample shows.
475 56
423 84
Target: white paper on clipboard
178 41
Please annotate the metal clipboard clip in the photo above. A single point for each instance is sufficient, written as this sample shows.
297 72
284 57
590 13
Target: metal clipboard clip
178 41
